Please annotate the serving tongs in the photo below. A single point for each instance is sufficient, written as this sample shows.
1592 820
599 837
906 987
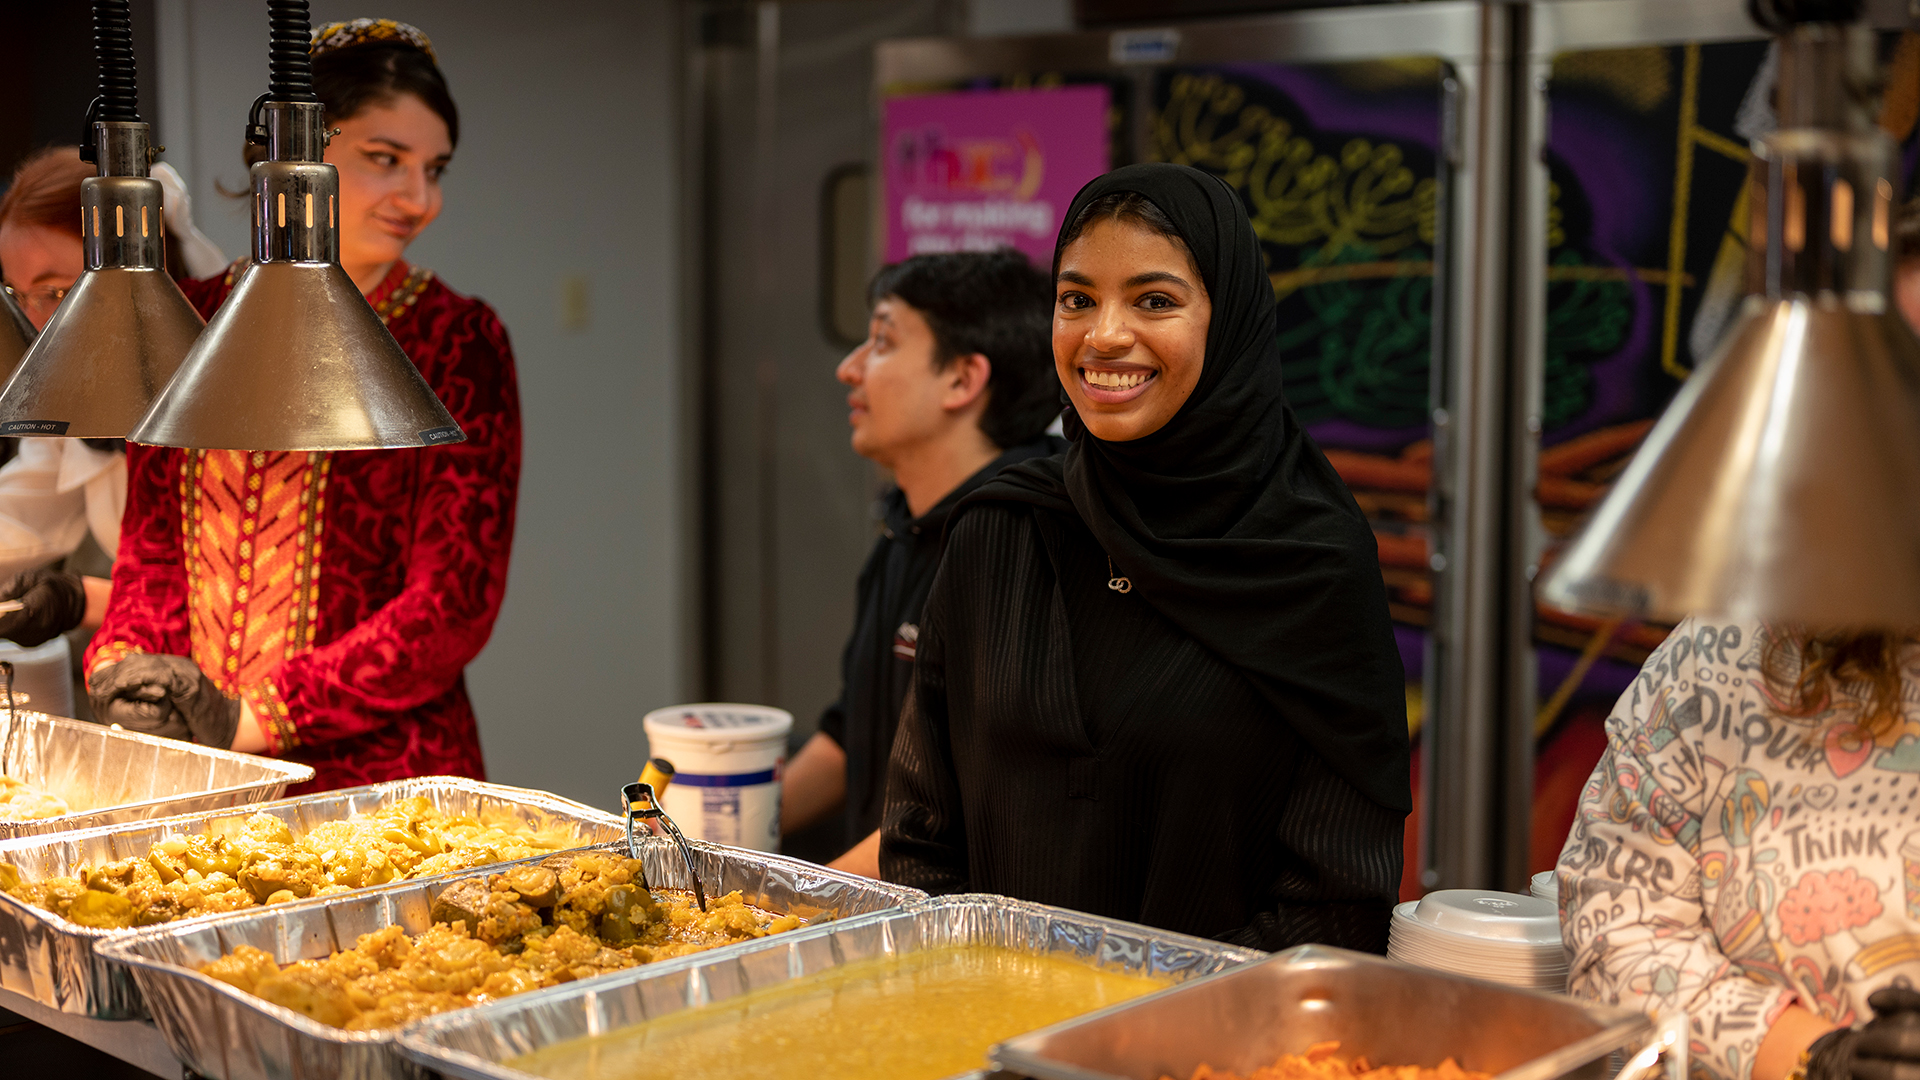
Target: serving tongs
1667 1050
637 800
13 717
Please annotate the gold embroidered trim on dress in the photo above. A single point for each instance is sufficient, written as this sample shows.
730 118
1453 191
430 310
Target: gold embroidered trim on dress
254 525
111 653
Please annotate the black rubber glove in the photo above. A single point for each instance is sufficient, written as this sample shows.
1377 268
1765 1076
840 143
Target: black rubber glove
164 695
56 603
1887 1048
1831 1055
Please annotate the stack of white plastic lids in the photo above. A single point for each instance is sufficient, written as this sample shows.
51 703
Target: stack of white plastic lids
1502 937
1546 886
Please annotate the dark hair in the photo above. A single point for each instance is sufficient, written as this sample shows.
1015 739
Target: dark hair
1128 206
995 303
351 79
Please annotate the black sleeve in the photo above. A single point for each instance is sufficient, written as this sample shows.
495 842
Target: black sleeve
1341 860
833 724
833 720
923 839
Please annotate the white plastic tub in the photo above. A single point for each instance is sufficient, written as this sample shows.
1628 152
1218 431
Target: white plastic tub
727 760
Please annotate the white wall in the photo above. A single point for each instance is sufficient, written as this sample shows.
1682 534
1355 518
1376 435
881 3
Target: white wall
566 169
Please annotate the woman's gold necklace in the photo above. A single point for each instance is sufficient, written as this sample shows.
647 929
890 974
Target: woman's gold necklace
1116 582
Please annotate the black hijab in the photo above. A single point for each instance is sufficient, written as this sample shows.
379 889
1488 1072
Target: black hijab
1230 521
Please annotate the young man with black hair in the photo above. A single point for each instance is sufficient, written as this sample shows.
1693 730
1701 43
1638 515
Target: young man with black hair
954 383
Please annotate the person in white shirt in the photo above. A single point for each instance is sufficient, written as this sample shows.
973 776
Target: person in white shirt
54 492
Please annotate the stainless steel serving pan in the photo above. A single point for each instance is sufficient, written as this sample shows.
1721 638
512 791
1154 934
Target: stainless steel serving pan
473 1044
119 776
220 1032
52 961
1387 1012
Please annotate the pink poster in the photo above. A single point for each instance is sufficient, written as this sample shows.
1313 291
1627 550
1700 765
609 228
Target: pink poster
983 169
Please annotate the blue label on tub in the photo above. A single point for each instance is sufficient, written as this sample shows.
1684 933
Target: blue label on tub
720 814
748 779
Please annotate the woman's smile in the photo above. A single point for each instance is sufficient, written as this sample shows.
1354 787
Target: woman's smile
1112 385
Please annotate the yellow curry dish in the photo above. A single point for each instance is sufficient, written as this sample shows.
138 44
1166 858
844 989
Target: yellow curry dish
571 917
265 863
21 801
918 1016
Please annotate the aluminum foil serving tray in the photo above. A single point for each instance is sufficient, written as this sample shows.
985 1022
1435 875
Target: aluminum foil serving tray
220 1032
119 776
52 961
474 1043
1389 1013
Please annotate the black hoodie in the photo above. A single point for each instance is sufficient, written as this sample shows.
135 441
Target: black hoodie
877 664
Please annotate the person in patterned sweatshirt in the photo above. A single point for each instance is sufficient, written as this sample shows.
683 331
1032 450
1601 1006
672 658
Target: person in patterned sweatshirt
322 607
1748 849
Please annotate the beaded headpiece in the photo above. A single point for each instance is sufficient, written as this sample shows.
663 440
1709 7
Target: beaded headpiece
343 35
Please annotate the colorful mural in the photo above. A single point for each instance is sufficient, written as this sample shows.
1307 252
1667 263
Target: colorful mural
1646 250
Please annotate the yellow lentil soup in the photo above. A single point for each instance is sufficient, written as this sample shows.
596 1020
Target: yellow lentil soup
920 1016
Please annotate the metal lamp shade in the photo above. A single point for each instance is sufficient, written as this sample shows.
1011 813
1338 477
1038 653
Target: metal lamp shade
296 360
109 348
1782 483
16 334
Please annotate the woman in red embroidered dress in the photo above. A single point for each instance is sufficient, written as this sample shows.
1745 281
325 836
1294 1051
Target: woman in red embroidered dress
322 606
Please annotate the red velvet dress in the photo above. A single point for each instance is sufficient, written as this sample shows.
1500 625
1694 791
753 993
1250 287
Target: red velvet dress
341 594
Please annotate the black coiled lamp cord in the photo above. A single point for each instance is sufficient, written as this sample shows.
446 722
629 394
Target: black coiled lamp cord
289 67
113 51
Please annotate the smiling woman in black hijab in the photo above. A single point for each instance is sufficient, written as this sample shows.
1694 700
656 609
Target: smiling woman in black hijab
1155 677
